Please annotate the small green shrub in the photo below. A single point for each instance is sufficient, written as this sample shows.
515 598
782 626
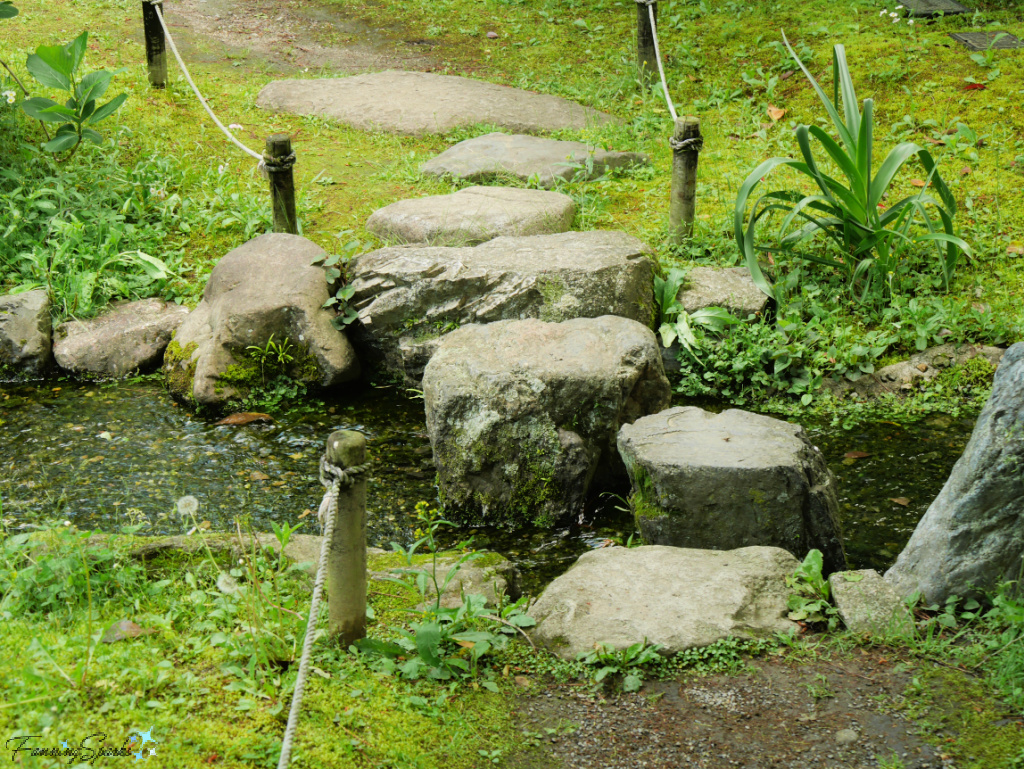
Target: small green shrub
811 596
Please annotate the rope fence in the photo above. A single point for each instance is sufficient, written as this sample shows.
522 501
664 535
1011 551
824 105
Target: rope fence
275 164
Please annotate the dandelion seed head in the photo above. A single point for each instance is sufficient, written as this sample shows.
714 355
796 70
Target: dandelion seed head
188 505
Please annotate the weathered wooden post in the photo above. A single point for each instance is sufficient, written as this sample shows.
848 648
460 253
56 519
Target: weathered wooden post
686 143
279 160
156 53
646 53
346 558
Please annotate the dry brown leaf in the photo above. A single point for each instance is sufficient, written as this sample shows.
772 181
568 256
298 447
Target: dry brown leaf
305 512
1015 248
965 171
856 454
775 113
256 475
245 418
900 501
917 182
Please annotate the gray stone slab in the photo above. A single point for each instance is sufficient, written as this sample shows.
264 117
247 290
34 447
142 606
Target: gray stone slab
25 334
868 604
927 9
982 41
420 103
731 288
495 155
472 216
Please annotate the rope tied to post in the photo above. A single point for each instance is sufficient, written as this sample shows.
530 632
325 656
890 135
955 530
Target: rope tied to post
271 163
693 144
334 479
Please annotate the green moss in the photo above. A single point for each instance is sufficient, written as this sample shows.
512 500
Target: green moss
552 289
180 369
643 499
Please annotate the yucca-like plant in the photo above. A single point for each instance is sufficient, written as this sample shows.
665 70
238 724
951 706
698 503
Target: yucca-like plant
871 239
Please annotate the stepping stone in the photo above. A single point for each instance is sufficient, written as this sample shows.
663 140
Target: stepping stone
927 9
407 296
867 604
420 103
25 332
982 41
678 597
522 415
722 481
473 215
526 158
129 336
731 288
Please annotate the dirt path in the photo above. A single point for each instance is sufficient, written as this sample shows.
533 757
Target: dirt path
781 714
289 36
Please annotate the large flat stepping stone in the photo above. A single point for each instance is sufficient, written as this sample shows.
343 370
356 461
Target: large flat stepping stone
971 538
25 333
722 481
522 414
527 158
677 597
407 297
928 9
473 215
421 102
265 290
129 336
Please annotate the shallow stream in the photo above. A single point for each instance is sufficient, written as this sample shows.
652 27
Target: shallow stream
108 455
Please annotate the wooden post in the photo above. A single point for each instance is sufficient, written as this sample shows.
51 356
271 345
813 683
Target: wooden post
683 201
156 53
646 57
346 557
279 160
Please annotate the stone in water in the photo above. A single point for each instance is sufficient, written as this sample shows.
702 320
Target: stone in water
927 9
982 41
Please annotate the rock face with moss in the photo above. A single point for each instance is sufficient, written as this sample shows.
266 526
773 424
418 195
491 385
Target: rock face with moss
522 415
25 332
972 536
129 336
677 597
729 480
407 297
265 291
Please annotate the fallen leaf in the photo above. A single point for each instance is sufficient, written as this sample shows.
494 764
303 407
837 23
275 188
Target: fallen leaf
105 436
965 171
300 455
466 644
305 512
279 483
256 475
856 455
1015 249
775 113
123 629
939 142
321 673
787 74
522 681
917 182
974 87
245 418
900 501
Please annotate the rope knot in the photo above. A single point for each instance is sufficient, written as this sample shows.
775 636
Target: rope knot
334 479
693 144
272 164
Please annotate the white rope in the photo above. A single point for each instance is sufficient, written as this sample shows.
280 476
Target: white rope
188 77
657 54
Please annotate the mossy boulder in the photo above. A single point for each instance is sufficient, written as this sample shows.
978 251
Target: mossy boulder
729 480
522 415
262 304
408 295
